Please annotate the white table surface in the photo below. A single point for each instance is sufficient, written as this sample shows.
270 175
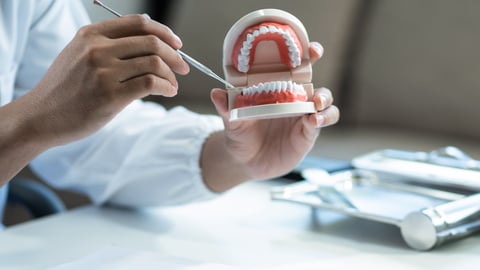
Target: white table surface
241 228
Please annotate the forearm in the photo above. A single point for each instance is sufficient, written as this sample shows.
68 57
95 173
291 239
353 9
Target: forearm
19 143
220 170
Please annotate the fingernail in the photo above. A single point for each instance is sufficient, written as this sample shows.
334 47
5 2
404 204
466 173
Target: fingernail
320 120
178 40
146 16
324 101
174 86
318 47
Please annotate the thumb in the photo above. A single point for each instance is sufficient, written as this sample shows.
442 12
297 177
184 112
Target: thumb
316 51
219 98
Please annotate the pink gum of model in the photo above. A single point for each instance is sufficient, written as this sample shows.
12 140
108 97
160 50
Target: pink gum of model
268 67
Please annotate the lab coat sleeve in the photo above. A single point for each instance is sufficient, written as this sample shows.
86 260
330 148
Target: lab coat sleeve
147 156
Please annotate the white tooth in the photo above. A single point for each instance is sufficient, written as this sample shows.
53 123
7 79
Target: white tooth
273 29
294 58
296 51
294 87
289 42
293 48
243 69
242 63
301 89
242 59
298 88
266 87
289 85
271 86
262 88
250 38
278 85
274 86
284 85
245 51
256 33
263 30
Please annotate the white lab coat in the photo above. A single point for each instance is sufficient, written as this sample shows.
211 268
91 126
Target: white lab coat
146 156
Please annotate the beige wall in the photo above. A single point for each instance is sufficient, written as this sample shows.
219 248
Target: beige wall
420 67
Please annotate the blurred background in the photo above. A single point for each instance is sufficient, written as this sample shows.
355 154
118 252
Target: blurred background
405 74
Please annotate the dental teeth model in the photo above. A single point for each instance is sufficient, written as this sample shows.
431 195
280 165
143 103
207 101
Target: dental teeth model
266 57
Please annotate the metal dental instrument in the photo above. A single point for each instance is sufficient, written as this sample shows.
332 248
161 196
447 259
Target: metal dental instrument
185 56
203 68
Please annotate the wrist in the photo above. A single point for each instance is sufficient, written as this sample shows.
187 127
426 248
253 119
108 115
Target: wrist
17 130
220 169
18 144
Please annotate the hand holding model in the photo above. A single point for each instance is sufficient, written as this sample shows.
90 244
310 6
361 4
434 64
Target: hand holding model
265 141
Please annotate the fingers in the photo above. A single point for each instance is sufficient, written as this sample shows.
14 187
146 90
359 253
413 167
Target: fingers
316 51
327 114
145 85
327 117
322 98
138 46
220 100
139 66
133 25
324 118
136 53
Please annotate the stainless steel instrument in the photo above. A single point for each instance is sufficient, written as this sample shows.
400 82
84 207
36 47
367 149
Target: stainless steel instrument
432 197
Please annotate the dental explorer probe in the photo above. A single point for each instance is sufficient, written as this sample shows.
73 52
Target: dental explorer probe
185 56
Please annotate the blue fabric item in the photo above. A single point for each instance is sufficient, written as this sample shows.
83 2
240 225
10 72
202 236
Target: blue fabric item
3 201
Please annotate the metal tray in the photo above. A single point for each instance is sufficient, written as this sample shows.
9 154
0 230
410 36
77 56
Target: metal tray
426 215
447 167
